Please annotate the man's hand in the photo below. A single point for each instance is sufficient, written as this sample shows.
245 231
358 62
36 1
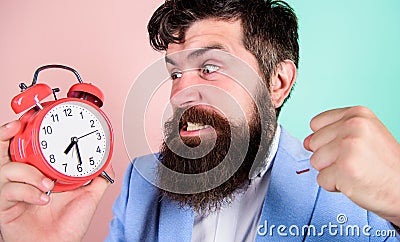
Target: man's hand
28 214
355 154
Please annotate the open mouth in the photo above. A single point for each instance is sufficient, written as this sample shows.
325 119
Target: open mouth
194 129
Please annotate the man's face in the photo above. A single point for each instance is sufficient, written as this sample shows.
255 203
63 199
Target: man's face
195 64
223 115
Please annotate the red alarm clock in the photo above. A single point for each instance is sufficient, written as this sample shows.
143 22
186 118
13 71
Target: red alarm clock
70 140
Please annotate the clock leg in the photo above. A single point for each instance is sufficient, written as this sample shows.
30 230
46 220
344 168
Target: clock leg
107 177
49 192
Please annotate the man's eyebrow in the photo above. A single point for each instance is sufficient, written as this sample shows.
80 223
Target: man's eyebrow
169 60
197 53
203 50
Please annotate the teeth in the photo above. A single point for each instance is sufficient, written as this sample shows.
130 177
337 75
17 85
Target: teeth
194 126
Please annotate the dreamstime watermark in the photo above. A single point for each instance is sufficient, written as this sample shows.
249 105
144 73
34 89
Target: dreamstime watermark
339 228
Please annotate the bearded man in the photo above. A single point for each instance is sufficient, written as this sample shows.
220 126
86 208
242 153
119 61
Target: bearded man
226 171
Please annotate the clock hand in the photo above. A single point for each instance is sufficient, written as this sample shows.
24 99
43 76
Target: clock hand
88 134
69 147
74 140
78 153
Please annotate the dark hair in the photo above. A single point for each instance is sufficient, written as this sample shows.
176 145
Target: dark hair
269 27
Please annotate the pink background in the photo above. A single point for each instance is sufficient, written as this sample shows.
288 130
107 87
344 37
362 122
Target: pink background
106 41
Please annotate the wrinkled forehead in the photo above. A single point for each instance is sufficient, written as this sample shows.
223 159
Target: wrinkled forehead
210 33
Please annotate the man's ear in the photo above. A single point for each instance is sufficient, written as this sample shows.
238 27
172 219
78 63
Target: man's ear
282 82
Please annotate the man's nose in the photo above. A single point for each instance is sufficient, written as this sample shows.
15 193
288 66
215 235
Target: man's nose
186 91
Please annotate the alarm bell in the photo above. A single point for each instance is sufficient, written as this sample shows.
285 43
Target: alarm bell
30 97
35 93
88 92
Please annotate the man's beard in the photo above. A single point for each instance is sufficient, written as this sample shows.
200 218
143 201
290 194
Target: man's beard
230 144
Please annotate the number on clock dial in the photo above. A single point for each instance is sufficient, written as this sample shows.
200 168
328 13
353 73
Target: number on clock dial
79 120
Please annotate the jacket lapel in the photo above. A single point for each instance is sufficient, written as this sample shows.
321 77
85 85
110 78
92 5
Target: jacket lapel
290 199
174 223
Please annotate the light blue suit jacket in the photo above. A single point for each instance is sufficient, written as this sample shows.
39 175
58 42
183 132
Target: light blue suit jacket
293 203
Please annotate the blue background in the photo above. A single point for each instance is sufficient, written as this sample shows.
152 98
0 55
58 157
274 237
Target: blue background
349 55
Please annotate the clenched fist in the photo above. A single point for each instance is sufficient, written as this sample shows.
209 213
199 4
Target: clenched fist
356 154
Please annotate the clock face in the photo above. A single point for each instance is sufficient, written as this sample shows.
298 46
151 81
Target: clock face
74 138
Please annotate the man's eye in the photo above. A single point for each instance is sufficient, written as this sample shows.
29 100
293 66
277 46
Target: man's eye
176 75
209 68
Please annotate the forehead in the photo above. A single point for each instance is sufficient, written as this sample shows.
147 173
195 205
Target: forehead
205 33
